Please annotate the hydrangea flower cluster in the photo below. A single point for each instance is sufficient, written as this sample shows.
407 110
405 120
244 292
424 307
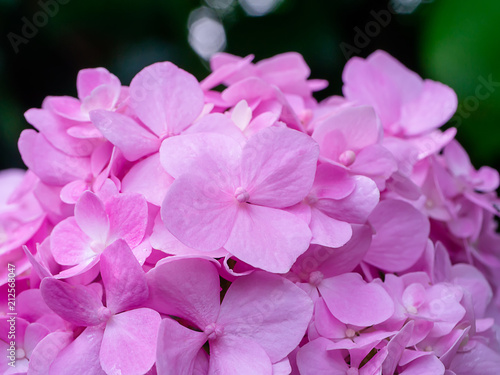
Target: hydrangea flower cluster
171 227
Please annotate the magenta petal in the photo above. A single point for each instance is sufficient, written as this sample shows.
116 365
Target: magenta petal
128 218
77 304
186 288
167 99
278 167
35 332
268 238
91 217
282 308
178 347
123 278
81 357
353 301
51 165
314 358
129 342
198 213
236 355
400 238
69 245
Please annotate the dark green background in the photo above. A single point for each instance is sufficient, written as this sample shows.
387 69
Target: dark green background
453 41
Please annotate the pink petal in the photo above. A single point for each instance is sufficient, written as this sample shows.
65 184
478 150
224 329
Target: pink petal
55 129
480 360
396 347
314 358
346 258
236 355
211 153
217 123
47 350
278 167
327 231
434 107
366 85
165 241
400 236
428 365
332 181
77 304
69 245
457 160
352 129
131 138
102 97
186 288
89 79
128 217
357 206
35 332
65 106
353 301
167 99
81 357
129 342
269 310
123 278
91 217
268 238
51 165
178 347
198 213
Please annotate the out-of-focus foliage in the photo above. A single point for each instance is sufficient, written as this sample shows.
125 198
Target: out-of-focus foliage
450 40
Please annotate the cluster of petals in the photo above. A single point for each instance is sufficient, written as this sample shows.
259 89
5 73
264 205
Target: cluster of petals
173 227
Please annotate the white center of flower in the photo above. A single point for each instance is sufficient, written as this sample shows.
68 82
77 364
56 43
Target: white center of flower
428 348
347 157
20 353
241 195
213 331
412 309
350 333
315 278
97 247
352 371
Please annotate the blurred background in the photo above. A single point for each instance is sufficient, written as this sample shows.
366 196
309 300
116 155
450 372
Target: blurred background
46 42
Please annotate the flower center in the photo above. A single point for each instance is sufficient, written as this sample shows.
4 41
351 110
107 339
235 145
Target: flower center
97 247
352 371
350 333
241 195
213 331
20 353
315 278
347 157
